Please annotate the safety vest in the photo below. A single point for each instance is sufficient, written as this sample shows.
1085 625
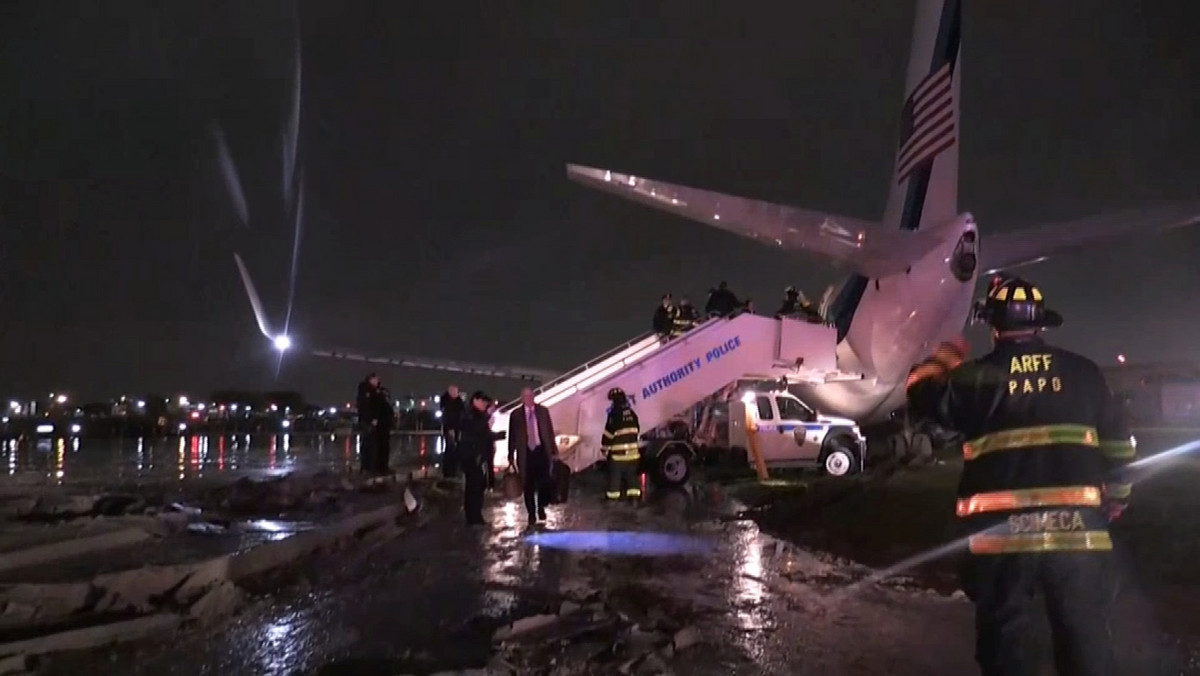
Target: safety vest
621 434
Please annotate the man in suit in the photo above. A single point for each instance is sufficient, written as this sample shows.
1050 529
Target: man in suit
531 445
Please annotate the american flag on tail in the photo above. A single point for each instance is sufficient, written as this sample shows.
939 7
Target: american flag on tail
927 125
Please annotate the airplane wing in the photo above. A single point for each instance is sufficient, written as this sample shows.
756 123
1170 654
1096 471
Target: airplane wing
473 368
864 245
283 342
1008 250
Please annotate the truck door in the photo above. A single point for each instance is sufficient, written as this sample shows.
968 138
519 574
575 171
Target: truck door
796 441
774 442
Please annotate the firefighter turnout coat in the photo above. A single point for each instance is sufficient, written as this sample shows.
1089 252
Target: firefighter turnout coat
1044 445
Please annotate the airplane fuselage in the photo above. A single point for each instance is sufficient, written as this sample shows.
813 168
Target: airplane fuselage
899 320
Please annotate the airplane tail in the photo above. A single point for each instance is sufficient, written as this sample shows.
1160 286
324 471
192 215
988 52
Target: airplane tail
924 186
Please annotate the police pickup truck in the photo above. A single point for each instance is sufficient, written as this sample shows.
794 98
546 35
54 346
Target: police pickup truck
787 432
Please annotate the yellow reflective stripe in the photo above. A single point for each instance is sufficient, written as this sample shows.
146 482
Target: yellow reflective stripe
626 457
1119 450
628 430
623 447
608 435
1118 491
1004 501
1044 435
612 495
634 492
1025 543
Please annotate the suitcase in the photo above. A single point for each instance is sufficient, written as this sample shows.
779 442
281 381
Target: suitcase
560 476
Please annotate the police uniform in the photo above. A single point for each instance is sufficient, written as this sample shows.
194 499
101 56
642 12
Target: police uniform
1045 445
620 446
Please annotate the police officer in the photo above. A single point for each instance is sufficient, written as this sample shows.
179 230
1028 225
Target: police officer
620 446
1041 482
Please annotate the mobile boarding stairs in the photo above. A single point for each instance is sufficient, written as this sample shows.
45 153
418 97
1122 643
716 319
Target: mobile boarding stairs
663 379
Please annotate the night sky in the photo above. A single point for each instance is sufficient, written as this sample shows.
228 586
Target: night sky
439 220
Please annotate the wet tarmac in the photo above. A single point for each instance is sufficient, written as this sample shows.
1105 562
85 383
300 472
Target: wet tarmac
106 461
431 601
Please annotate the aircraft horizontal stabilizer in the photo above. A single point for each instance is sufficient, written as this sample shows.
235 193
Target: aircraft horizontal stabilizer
1008 250
473 368
864 245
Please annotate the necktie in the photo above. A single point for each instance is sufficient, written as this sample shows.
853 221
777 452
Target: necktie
531 428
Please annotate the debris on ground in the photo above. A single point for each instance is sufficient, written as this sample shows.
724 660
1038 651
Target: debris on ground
86 603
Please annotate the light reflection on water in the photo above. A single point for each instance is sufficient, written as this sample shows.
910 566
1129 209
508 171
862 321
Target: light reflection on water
59 461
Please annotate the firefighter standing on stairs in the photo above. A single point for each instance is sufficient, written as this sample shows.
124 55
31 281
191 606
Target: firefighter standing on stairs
1042 480
620 446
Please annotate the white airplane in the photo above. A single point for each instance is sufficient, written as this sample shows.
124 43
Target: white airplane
915 272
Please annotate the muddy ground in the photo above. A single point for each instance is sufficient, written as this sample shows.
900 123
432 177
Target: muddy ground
681 584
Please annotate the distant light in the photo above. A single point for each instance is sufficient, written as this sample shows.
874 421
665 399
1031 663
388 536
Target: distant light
45 429
437 414
4 420
233 407
182 426
141 404
333 410
1121 358
62 399
748 398
76 428
195 415
200 407
282 343
437 398
716 217
274 407
183 401
287 424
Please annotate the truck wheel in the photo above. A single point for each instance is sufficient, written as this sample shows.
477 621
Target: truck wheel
840 459
674 467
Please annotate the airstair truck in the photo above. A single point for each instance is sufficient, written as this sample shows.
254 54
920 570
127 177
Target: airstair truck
664 378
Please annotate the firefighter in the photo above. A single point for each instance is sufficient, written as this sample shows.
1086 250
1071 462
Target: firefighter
620 446
1042 480
686 318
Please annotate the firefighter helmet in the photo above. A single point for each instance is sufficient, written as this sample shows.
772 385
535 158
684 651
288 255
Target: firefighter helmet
1013 304
616 394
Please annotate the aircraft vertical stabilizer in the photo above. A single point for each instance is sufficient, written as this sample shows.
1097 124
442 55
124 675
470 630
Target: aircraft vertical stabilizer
924 186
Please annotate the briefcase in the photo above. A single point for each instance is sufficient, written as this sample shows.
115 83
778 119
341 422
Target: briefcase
512 486
560 475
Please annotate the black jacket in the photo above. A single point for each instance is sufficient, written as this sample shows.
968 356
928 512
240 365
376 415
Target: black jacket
380 406
363 402
721 302
477 440
453 409
1045 443
664 319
